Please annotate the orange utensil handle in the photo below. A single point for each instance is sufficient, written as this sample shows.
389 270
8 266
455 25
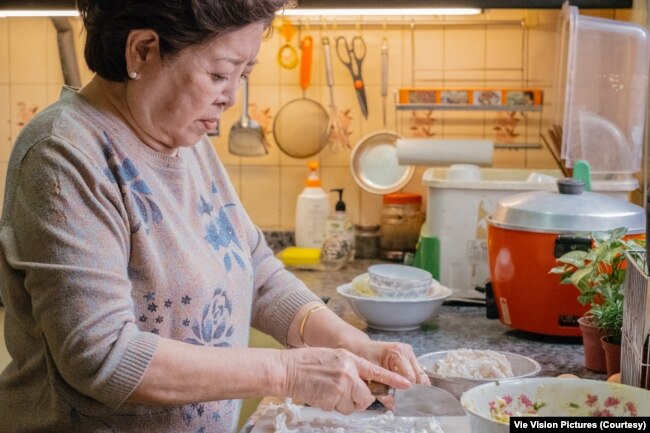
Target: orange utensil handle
306 46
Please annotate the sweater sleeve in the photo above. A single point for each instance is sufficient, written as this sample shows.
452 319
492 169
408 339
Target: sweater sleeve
67 233
279 294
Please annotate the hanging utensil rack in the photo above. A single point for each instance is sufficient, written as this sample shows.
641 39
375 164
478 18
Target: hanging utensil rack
531 115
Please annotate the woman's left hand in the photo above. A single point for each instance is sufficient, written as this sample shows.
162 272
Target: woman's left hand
397 357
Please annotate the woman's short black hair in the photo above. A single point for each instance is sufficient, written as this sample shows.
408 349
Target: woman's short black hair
179 24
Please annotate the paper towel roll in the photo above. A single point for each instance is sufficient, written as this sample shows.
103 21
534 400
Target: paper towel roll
424 151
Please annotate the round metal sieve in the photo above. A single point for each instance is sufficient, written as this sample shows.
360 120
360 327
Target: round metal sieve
301 127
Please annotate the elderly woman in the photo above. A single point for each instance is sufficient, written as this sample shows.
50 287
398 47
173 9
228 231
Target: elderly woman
131 272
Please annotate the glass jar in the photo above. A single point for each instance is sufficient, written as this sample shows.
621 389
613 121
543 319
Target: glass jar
401 222
366 241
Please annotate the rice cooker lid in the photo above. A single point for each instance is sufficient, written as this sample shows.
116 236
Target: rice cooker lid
570 209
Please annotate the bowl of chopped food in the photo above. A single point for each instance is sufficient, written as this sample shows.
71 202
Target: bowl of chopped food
458 370
490 406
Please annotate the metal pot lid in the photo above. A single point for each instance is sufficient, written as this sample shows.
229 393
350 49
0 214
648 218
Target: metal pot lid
570 209
375 166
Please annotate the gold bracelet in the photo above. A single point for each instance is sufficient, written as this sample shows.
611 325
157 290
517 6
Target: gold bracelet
304 320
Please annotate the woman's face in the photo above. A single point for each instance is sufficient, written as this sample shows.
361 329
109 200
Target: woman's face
175 102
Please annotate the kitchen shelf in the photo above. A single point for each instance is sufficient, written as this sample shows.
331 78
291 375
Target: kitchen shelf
467 107
517 146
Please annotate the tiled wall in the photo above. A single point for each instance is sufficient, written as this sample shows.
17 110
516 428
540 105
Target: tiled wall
478 55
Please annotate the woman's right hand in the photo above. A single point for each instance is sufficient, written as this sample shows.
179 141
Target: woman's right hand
333 379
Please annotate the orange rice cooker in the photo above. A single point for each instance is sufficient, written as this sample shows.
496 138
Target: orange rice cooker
526 234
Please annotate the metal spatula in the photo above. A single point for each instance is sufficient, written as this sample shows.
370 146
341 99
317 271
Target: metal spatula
419 400
247 136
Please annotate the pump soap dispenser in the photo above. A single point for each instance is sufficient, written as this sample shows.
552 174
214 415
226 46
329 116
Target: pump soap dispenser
338 248
338 223
312 209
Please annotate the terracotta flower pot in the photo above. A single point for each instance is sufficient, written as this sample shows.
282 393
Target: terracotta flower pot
594 352
612 356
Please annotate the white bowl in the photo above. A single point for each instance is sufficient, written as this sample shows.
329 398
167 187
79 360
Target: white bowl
522 367
557 397
387 314
399 281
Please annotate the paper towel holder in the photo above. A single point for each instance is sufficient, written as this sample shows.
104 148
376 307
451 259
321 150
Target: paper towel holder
441 152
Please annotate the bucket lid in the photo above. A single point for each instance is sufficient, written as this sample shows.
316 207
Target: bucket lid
570 209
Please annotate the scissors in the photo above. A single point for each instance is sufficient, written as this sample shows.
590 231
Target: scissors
352 55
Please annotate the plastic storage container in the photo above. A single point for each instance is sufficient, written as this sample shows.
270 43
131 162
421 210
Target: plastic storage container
401 221
453 246
366 241
602 90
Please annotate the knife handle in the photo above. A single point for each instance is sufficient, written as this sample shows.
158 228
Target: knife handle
378 389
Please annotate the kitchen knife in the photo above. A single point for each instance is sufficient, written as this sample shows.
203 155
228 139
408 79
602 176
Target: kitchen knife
419 400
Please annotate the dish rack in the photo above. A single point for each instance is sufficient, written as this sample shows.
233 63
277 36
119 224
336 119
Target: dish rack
635 351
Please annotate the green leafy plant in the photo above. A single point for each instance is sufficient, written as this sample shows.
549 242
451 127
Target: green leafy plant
599 275
608 316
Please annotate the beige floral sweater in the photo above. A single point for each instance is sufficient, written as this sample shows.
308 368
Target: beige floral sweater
106 246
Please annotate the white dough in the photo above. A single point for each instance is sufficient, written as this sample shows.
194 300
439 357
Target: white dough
288 419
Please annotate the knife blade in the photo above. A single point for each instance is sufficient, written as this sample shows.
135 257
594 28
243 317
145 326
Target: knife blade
419 400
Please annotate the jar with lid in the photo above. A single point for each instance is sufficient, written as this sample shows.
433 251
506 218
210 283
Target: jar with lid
366 241
401 222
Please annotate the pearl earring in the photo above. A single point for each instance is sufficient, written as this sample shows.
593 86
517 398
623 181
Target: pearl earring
133 75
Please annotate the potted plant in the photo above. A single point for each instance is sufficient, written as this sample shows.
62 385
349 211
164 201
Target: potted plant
599 275
608 316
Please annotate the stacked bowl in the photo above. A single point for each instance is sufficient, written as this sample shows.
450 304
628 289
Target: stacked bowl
391 297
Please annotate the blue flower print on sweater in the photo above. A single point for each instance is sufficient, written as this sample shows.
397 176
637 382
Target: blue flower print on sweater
126 175
213 329
220 232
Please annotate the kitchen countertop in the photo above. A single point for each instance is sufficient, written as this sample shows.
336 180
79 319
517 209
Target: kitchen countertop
458 326
454 326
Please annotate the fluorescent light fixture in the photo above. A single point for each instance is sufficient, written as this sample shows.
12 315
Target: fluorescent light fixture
309 12
38 13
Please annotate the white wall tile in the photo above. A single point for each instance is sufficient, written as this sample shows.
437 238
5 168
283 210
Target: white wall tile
260 194
4 51
27 50
464 53
5 122
505 49
292 182
26 101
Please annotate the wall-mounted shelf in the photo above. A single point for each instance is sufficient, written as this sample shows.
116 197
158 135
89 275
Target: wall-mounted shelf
517 146
467 107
